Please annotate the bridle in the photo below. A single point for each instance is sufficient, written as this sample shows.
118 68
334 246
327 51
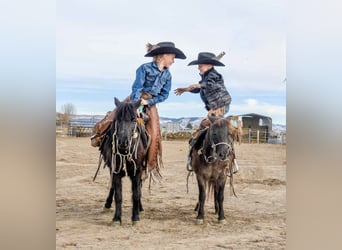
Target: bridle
132 150
213 157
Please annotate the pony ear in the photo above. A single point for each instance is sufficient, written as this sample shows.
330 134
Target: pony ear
116 101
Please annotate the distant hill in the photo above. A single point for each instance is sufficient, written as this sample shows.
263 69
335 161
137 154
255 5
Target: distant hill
90 120
195 121
278 128
183 121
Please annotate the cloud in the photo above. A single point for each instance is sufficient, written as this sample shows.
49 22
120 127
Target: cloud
99 46
276 112
112 45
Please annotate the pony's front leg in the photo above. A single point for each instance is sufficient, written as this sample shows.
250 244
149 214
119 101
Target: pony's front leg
220 197
216 203
118 197
136 197
201 199
141 209
109 199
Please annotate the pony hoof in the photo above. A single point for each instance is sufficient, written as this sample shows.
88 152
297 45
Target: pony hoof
199 221
105 210
116 223
222 222
135 223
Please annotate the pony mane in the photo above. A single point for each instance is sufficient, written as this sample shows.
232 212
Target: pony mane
222 122
125 112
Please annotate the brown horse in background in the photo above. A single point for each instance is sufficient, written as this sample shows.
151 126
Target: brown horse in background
235 128
211 156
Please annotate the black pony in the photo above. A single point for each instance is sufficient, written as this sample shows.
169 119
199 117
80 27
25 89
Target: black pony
124 150
211 155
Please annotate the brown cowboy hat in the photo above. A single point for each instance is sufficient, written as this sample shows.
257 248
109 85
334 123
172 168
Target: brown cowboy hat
208 58
164 48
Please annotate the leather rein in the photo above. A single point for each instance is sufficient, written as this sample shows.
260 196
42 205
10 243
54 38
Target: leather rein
132 153
213 157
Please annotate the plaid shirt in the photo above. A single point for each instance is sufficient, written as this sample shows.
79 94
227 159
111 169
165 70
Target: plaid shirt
214 93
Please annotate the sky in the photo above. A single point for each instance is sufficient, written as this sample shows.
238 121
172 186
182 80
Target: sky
100 44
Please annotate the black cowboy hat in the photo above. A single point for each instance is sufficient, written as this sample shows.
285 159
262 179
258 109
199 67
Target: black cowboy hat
208 58
164 48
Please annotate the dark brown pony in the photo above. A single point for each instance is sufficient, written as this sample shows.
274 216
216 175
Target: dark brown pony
211 156
123 150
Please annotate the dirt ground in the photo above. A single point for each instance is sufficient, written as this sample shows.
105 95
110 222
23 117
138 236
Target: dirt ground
256 219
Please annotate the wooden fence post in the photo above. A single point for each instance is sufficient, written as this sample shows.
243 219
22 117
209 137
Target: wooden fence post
249 135
258 132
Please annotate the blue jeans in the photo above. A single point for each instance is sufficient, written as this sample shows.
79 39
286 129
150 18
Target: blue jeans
221 111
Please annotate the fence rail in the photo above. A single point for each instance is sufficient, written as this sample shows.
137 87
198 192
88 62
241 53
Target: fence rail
262 136
249 135
74 129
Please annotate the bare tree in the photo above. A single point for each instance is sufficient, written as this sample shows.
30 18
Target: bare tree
68 110
189 126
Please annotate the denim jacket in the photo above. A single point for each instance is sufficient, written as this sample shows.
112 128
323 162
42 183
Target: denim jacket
151 80
213 91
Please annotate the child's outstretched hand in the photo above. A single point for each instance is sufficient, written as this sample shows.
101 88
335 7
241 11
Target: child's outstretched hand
180 91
